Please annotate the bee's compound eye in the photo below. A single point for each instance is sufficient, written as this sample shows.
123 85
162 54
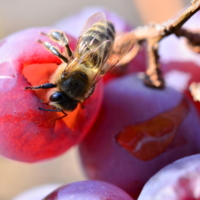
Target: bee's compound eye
56 97
63 102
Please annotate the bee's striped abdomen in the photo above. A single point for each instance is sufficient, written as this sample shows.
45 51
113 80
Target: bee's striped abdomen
94 39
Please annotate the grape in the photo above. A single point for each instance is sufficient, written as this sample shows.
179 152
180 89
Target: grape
139 131
26 133
177 181
88 190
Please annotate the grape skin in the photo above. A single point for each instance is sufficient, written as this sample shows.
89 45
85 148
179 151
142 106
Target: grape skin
88 190
177 181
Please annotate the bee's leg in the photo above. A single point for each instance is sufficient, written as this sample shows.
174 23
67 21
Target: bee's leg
54 110
91 91
82 106
43 86
65 114
54 50
60 37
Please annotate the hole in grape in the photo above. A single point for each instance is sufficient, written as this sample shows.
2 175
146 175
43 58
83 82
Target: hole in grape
38 74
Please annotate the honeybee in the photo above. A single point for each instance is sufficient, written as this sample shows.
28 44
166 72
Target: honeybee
97 51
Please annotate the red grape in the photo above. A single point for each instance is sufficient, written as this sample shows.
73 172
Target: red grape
27 133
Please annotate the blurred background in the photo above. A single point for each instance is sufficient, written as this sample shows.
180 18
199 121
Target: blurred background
20 14
15 15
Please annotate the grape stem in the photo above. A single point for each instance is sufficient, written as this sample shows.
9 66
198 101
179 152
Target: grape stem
193 39
153 33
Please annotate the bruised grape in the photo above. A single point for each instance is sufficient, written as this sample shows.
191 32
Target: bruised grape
139 131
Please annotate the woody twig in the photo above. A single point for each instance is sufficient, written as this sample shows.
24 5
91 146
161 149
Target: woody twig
193 38
152 34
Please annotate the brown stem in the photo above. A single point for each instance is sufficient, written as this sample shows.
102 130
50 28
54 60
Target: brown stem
195 91
153 76
152 34
186 15
193 38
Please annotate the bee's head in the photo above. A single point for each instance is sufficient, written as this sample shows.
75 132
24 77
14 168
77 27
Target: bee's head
75 85
61 101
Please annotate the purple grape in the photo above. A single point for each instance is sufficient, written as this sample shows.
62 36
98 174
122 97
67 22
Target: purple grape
139 131
88 190
177 181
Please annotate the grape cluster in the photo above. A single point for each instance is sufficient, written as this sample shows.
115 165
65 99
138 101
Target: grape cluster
126 131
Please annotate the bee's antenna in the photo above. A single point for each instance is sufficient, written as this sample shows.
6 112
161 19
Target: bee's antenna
53 110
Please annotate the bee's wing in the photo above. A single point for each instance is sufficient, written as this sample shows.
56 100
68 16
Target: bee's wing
97 17
122 45
99 53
